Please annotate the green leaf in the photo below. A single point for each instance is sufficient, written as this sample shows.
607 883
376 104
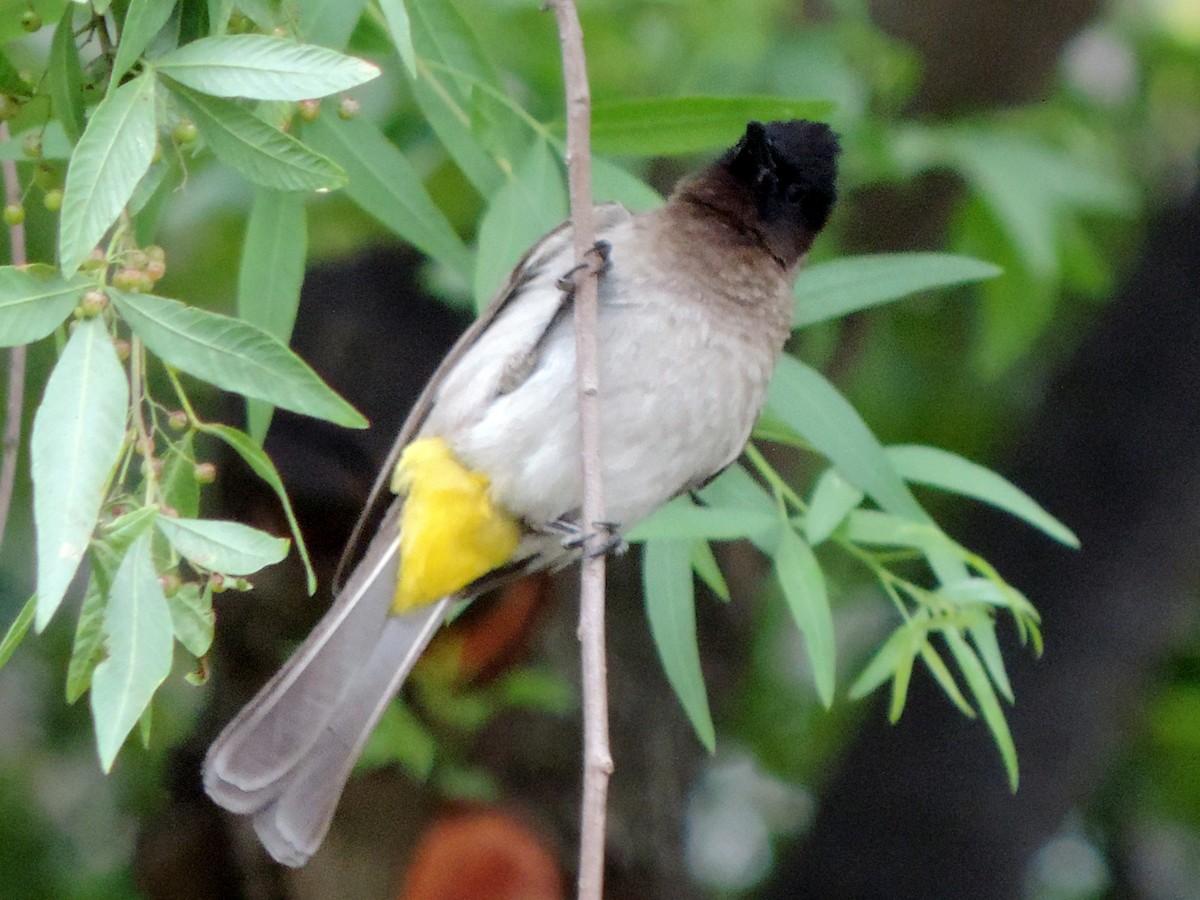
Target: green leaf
803 399
272 270
64 77
384 183
669 126
951 472
842 286
88 650
400 737
219 12
232 355
453 65
11 82
143 20
945 680
879 529
704 564
671 609
17 630
227 547
180 489
262 153
119 534
34 300
894 656
111 157
529 205
611 182
192 618
396 15
262 466
331 22
989 705
78 433
263 67
983 635
833 498
803 586
682 519
140 641
55 144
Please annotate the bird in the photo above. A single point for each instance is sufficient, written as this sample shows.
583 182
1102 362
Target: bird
694 306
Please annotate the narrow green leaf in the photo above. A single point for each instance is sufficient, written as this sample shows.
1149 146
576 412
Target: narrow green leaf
531 203
78 432
945 680
180 489
400 737
989 705
64 77
140 641
803 586
55 144
682 519
219 12
119 534
951 472
269 279
838 287
384 183
11 82
111 157
704 564
612 183
900 682
88 650
452 64
232 355
143 20
262 466
671 609
803 399
983 635
331 22
34 300
879 529
833 498
227 547
17 630
396 15
904 641
263 67
262 153
669 126
192 618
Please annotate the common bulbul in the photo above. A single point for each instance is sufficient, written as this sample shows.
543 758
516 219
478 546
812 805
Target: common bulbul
695 304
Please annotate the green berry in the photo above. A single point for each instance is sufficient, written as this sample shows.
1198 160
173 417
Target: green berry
348 108
178 420
205 473
92 304
30 20
31 145
185 132
14 214
52 200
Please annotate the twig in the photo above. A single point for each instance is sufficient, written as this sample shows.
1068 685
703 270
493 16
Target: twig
14 407
598 764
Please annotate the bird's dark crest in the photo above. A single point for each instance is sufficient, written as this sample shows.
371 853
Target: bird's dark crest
791 168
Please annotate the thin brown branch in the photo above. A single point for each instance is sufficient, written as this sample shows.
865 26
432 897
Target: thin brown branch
14 407
597 762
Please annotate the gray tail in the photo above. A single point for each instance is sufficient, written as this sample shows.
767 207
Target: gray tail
287 755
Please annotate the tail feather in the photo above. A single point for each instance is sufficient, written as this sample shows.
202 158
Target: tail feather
275 730
294 823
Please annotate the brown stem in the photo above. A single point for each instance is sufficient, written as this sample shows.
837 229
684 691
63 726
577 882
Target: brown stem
14 408
598 764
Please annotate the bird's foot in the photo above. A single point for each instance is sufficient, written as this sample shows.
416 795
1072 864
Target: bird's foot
595 262
604 539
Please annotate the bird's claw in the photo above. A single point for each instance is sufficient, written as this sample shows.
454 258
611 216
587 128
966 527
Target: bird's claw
605 539
595 261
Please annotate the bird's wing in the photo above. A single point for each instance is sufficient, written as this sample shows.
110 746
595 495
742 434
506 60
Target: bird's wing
554 246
